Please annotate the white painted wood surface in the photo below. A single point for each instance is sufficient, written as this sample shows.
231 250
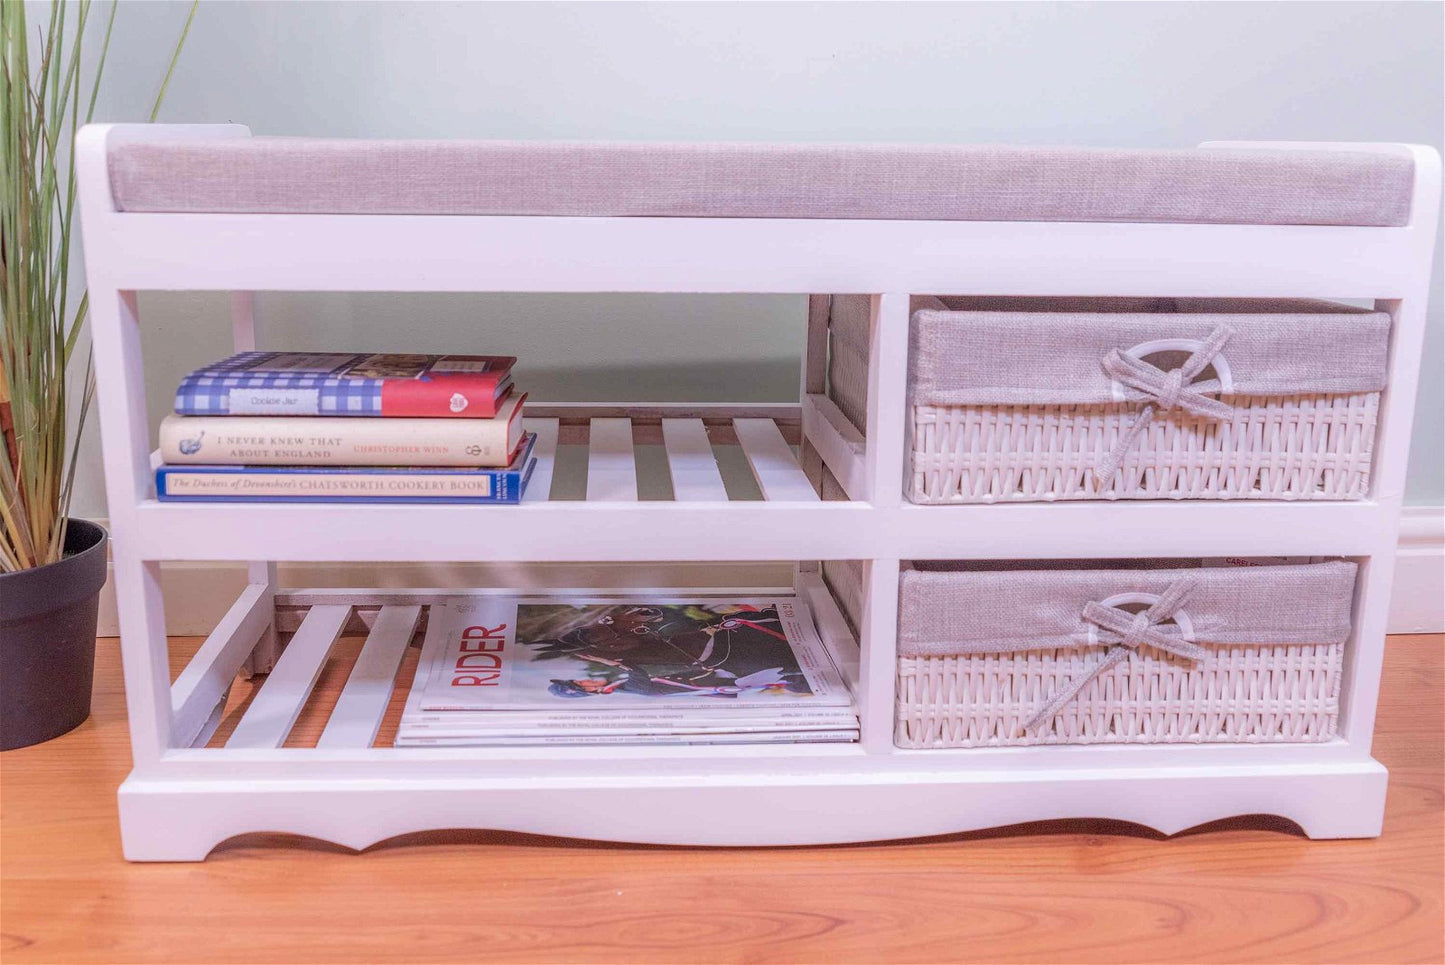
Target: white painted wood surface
180 800
611 462
357 715
279 701
691 463
838 442
204 683
774 466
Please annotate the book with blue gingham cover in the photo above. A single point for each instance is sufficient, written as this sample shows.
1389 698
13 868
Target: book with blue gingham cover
347 384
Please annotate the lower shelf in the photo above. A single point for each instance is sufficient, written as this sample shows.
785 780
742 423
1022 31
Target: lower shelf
342 680
356 791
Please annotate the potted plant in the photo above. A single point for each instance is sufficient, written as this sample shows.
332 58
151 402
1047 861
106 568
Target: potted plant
51 567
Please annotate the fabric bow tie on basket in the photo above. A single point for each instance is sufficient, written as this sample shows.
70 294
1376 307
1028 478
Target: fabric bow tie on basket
1127 632
1165 391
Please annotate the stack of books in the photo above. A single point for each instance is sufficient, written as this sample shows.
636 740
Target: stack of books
351 427
503 671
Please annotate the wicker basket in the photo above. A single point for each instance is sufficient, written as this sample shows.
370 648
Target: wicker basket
991 656
1043 399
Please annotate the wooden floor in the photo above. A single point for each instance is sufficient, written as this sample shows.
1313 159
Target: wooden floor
1245 891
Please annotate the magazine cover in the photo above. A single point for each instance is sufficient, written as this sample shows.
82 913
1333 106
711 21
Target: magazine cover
489 653
348 384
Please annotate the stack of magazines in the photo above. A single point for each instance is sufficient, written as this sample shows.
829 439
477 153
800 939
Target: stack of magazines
349 427
497 670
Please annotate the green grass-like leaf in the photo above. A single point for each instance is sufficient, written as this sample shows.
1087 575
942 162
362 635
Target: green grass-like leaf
40 112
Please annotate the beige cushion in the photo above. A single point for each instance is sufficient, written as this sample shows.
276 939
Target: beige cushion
942 183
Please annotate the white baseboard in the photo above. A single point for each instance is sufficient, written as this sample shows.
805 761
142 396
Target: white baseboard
1417 604
197 594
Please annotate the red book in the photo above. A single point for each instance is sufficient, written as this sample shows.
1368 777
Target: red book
348 384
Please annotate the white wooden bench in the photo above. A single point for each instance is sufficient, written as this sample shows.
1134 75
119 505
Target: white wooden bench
210 208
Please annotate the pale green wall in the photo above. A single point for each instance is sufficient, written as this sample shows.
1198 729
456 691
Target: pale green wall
1133 75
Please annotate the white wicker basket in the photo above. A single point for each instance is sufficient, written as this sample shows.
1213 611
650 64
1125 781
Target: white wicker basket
1032 675
1022 405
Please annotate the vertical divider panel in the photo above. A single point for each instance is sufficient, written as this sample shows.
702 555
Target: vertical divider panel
691 461
778 474
539 487
878 655
887 398
611 462
277 705
357 715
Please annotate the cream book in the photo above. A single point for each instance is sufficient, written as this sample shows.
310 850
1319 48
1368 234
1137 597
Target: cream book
342 441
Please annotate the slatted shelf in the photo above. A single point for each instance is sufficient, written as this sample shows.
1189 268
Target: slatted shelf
691 462
776 469
293 706
357 715
766 434
611 462
278 703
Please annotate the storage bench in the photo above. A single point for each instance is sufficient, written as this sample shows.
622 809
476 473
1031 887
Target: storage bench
1043 399
1121 652
1281 699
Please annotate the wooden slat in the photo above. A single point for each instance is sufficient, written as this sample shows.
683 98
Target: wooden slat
838 442
691 461
774 467
539 487
203 685
357 715
269 718
611 464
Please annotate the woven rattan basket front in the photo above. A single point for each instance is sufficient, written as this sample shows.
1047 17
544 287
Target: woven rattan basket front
1239 694
984 647
1017 405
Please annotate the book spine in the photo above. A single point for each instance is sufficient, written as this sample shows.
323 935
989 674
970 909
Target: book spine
280 485
280 441
474 397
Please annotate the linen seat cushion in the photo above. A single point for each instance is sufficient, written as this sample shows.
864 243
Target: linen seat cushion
856 181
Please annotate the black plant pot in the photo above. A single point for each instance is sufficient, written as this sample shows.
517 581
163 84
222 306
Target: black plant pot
47 640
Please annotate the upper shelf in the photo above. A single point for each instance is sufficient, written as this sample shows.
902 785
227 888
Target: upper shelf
588 510
632 531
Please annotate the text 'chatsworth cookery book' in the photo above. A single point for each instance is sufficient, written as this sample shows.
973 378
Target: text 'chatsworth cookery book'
499 670
355 484
351 384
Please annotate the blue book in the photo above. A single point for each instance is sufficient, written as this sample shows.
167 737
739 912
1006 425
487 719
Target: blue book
348 484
